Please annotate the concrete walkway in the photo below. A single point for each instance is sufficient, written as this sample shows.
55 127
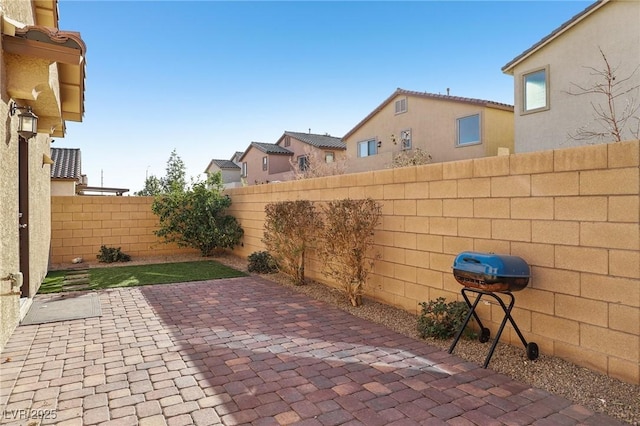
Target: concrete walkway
248 351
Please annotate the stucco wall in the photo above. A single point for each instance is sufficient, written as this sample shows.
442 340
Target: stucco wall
613 28
81 224
64 187
572 214
433 126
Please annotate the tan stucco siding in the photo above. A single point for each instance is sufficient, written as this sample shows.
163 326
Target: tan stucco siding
39 225
433 125
613 28
60 187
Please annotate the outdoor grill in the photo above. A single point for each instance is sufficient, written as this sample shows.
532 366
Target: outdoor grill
492 275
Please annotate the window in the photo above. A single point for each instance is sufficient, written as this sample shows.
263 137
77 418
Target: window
367 148
405 139
329 157
536 91
303 163
401 105
265 163
468 129
287 141
244 169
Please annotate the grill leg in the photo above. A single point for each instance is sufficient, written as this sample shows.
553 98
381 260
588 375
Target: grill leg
507 316
472 311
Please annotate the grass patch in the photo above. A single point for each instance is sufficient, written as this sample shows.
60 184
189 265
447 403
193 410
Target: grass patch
132 276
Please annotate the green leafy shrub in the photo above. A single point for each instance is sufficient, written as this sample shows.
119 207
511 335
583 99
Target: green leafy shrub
288 228
196 217
262 262
441 320
346 239
112 254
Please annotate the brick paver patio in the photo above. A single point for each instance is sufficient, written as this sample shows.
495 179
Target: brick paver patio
249 351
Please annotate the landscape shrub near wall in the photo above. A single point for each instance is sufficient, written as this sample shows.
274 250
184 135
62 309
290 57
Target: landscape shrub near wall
572 214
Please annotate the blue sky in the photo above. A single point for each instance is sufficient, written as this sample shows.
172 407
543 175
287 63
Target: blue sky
209 77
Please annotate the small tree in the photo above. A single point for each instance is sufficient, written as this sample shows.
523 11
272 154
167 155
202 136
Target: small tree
414 157
618 111
288 228
195 217
175 180
152 187
346 238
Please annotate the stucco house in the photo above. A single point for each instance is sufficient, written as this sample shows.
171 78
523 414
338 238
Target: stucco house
42 75
448 128
308 147
66 171
266 163
550 78
230 170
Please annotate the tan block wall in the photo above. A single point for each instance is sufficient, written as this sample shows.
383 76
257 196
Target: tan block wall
81 224
572 214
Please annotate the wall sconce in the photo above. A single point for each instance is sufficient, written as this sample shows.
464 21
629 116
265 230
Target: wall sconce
379 144
393 139
46 160
27 121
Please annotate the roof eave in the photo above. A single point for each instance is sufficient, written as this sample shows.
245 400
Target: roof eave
508 68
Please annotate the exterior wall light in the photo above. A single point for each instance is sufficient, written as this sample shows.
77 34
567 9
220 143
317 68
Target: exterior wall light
27 120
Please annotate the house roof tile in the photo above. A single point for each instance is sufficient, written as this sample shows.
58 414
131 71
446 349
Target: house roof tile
225 164
271 148
318 141
67 163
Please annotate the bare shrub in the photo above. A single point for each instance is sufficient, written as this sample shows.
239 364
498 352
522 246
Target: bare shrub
288 228
346 237
617 112
315 165
414 157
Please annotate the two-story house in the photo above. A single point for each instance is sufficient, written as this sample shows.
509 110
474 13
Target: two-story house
230 170
445 127
552 78
291 154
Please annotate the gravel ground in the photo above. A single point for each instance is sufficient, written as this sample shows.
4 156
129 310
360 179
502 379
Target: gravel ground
585 387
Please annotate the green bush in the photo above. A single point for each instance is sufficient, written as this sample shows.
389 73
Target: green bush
441 320
262 262
112 254
196 217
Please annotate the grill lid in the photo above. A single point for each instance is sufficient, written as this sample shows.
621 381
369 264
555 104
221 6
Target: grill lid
490 264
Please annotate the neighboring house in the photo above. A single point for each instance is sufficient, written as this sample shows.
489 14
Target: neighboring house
264 163
43 70
66 171
548 113
67 178
446 127
324 148
229 170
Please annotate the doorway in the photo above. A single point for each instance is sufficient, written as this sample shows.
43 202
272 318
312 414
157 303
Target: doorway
23 215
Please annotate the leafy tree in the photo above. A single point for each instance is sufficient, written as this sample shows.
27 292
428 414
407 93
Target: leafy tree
196 217
152 187
175 180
